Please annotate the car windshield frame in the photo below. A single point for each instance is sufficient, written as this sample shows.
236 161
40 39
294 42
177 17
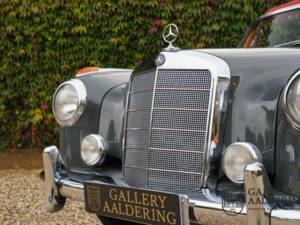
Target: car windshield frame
250 33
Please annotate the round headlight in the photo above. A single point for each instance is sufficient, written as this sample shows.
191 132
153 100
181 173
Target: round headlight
68 102
292 100
236 157
92 149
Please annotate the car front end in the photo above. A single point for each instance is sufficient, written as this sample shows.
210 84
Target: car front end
190 136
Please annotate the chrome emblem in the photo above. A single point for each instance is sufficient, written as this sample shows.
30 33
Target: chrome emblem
170 34
160 59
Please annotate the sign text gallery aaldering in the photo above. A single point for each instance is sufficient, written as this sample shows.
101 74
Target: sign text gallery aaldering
133 204
121 203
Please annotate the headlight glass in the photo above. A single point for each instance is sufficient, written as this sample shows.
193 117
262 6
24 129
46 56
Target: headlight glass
293 101
236 157
68 102
92 149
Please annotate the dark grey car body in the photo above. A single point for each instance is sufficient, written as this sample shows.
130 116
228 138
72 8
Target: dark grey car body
254 113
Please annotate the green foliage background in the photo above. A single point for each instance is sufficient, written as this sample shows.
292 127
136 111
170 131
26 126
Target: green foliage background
44 42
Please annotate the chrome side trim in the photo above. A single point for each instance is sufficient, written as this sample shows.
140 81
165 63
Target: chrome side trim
150 128
285 107
196 131
104 71
125 125
82 94
278 11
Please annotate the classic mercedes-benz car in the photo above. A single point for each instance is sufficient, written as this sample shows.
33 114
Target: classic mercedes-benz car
190 136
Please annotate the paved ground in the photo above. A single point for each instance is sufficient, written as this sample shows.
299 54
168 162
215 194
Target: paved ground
21 202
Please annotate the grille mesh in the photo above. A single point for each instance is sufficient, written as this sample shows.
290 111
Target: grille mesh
165 145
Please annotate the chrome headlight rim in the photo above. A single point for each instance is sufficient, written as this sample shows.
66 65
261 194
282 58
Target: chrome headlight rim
295 123
101 149
252 149
82 96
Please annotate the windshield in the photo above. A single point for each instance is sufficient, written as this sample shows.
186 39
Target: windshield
281 30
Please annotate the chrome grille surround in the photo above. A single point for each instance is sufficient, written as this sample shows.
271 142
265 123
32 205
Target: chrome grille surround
167 144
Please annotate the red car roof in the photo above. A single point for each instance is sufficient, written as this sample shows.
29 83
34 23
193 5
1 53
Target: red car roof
295 2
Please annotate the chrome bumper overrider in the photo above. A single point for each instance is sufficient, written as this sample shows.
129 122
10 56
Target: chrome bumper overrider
205 206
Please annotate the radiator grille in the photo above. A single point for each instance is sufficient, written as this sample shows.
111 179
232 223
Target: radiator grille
166 130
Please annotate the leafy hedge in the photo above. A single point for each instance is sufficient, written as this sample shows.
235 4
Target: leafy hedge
43 42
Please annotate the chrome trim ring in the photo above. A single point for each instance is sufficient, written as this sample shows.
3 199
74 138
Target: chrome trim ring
82 95
290 118
252 149
101 148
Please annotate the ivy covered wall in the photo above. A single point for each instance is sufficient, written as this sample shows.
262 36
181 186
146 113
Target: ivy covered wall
44 42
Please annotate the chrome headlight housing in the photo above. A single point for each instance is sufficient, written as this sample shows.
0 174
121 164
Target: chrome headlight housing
92 149
292 100
236 157
69 102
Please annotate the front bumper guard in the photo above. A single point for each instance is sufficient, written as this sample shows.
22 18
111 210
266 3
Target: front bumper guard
205 209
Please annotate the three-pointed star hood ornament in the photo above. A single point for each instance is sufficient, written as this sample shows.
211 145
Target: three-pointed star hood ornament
170 34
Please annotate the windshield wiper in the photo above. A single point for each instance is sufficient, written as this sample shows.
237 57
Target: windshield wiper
291 43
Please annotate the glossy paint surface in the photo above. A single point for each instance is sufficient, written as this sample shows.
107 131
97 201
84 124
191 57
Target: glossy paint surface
257 78
112 119
97 86
287 177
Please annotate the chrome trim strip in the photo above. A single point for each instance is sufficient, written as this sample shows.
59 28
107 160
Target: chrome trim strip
177 150
150 130
125 125
164 149
79 87
175 89
173 109
290 118
104 71
183 89
153 128
278 11
174 171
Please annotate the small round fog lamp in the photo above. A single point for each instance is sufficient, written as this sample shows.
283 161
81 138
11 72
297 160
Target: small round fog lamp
236 157
92 149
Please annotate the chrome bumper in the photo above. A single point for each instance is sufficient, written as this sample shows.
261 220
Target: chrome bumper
205 207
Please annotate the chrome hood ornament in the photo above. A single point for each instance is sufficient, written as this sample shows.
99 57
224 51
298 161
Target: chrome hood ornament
170 34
